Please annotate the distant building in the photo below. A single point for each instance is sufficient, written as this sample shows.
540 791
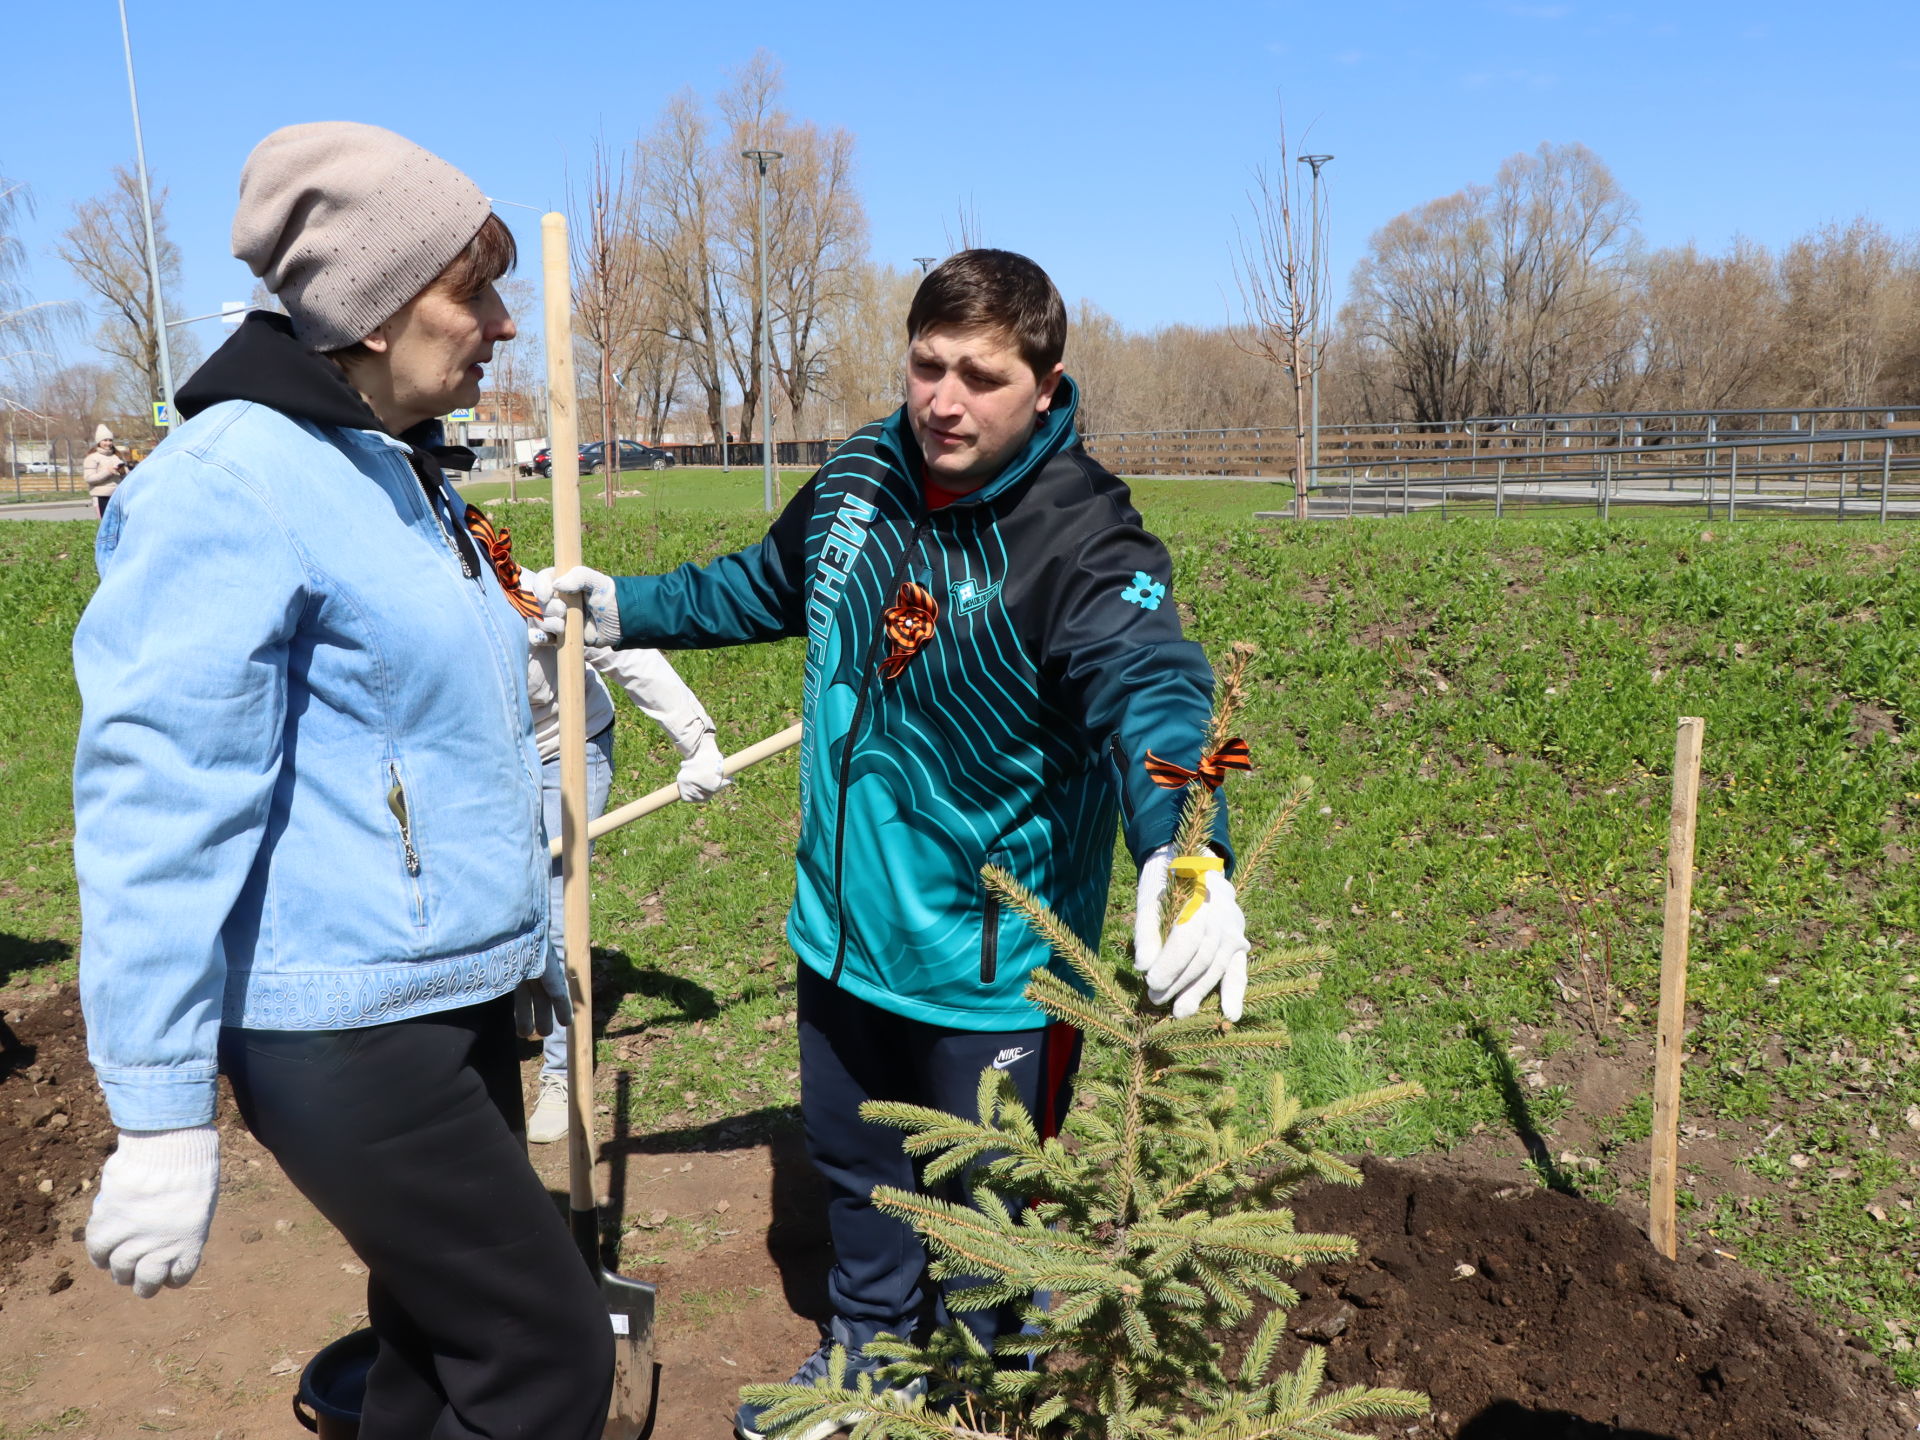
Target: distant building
502 436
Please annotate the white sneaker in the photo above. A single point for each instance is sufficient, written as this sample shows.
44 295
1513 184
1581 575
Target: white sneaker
548 1122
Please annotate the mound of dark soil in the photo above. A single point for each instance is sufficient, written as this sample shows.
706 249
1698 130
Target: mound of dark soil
54 1130
1526 1314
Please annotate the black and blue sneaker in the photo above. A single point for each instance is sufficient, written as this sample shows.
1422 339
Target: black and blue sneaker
850 1337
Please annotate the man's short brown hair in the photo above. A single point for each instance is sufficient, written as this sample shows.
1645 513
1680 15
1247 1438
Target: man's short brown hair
995 290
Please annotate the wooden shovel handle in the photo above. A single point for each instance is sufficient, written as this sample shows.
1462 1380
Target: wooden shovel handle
659 799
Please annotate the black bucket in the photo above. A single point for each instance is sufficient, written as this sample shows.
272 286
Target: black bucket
334 1386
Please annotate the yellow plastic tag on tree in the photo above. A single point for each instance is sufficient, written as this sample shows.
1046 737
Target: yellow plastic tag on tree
1194 868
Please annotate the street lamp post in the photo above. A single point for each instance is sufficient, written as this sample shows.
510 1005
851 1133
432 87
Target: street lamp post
923 261
146 212
760 158
1319 290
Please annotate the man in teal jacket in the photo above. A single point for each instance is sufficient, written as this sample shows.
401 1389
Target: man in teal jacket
993 652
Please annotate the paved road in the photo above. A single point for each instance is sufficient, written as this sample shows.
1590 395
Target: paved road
48 510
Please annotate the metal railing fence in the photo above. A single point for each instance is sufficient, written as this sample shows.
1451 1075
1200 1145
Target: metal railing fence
41 469
1841 474
746 453
1268 451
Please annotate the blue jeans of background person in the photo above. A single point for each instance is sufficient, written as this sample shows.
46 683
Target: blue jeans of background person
553 1053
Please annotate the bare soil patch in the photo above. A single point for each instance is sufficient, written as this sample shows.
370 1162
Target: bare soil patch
1871 721
1527 1314
53 1126
1567 1325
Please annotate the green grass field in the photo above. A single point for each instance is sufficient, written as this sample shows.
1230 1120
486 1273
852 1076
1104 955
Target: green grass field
1488 712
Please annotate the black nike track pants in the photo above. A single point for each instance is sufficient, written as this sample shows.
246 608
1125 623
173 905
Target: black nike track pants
409 1138
852 1051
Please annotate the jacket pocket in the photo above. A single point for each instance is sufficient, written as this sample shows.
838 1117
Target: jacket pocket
990 925
410 856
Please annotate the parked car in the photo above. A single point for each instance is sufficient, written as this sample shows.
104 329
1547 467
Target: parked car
633 456
543 463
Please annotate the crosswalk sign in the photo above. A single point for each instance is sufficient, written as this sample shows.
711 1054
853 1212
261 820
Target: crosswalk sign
162 414
462 417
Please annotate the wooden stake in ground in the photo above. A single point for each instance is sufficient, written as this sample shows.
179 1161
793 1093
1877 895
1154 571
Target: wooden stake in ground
630 1303
1661 1227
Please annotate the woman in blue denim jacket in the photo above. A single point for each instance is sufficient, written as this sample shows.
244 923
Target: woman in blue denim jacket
307 804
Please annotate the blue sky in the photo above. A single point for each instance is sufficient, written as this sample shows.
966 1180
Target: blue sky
1112 141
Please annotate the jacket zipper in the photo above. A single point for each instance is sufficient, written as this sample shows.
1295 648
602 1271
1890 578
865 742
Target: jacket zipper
440 524
397 803
990 927
846 753
433 516
1120 779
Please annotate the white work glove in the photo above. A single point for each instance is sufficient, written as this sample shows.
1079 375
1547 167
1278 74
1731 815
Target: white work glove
1207 949
541 1005
150 1219
700 777
552 623
603 611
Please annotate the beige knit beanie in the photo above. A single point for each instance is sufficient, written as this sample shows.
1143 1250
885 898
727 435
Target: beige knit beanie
347 222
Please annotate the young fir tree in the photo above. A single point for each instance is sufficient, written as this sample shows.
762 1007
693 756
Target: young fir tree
1140 1239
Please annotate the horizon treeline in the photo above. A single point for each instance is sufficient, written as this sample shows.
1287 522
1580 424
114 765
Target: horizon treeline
1531 293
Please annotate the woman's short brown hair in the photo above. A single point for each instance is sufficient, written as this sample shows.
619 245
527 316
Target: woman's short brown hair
489 255
995 290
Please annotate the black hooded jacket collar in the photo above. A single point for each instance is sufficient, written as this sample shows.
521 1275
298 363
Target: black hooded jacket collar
265 363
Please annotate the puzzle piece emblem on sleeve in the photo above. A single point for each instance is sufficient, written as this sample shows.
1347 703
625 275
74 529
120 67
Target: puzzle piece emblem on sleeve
1145 591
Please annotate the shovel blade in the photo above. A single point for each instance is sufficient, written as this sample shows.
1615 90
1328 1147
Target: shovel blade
636 1378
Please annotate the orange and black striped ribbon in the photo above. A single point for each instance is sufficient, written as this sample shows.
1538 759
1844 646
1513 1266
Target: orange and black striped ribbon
498 546
1232 755
910 621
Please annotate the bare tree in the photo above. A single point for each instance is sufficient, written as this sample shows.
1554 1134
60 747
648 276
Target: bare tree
1420 296
26 325
1282 293
676 184
865 340
1179 377
75 398
821 229
965 231
1851 303
106 248
1513 298
608 293
1562 231
815 234
686 321
1110 366
1710 326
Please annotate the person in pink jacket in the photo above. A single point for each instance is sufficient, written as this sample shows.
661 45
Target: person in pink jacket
103 470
